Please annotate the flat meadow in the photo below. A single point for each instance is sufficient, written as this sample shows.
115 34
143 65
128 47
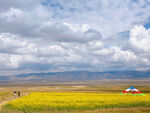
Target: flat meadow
51 102
74 98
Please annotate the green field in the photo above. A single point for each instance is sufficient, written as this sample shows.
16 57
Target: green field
48 102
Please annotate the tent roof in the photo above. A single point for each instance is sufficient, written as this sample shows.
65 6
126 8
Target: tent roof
131 87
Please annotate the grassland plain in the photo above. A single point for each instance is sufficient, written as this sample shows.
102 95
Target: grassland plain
3 96
55 102
2 93
95 87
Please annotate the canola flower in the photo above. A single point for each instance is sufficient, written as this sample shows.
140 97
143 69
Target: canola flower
75 101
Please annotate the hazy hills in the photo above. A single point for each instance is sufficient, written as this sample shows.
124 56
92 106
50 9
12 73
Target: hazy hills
78 76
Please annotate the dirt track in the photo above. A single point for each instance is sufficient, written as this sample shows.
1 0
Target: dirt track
6 101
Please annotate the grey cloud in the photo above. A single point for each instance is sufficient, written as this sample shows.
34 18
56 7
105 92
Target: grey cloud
26 5
72 35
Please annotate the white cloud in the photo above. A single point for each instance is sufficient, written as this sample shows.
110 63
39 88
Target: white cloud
139 43
78 27
9 61
140 38
74 35
104 16
115 54
11 14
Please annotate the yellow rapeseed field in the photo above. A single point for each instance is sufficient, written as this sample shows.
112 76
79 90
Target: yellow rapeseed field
75 101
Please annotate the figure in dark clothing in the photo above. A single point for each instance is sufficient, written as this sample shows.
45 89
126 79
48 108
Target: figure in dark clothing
15 93
18 93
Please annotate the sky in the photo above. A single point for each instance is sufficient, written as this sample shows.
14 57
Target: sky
73 35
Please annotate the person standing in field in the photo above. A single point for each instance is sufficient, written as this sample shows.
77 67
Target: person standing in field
15 93
18 93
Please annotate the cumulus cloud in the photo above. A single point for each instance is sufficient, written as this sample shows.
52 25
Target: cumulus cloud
56 35
140 38
105 16
139 43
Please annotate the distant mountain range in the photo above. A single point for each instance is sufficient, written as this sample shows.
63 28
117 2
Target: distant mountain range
77 76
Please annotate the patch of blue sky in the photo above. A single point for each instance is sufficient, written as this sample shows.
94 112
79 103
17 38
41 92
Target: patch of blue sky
46 2
135 0
107 46
147 24
56 5
53 4
72 9
124 34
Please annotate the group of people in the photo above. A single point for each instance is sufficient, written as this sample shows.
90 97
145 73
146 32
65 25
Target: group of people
17 93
